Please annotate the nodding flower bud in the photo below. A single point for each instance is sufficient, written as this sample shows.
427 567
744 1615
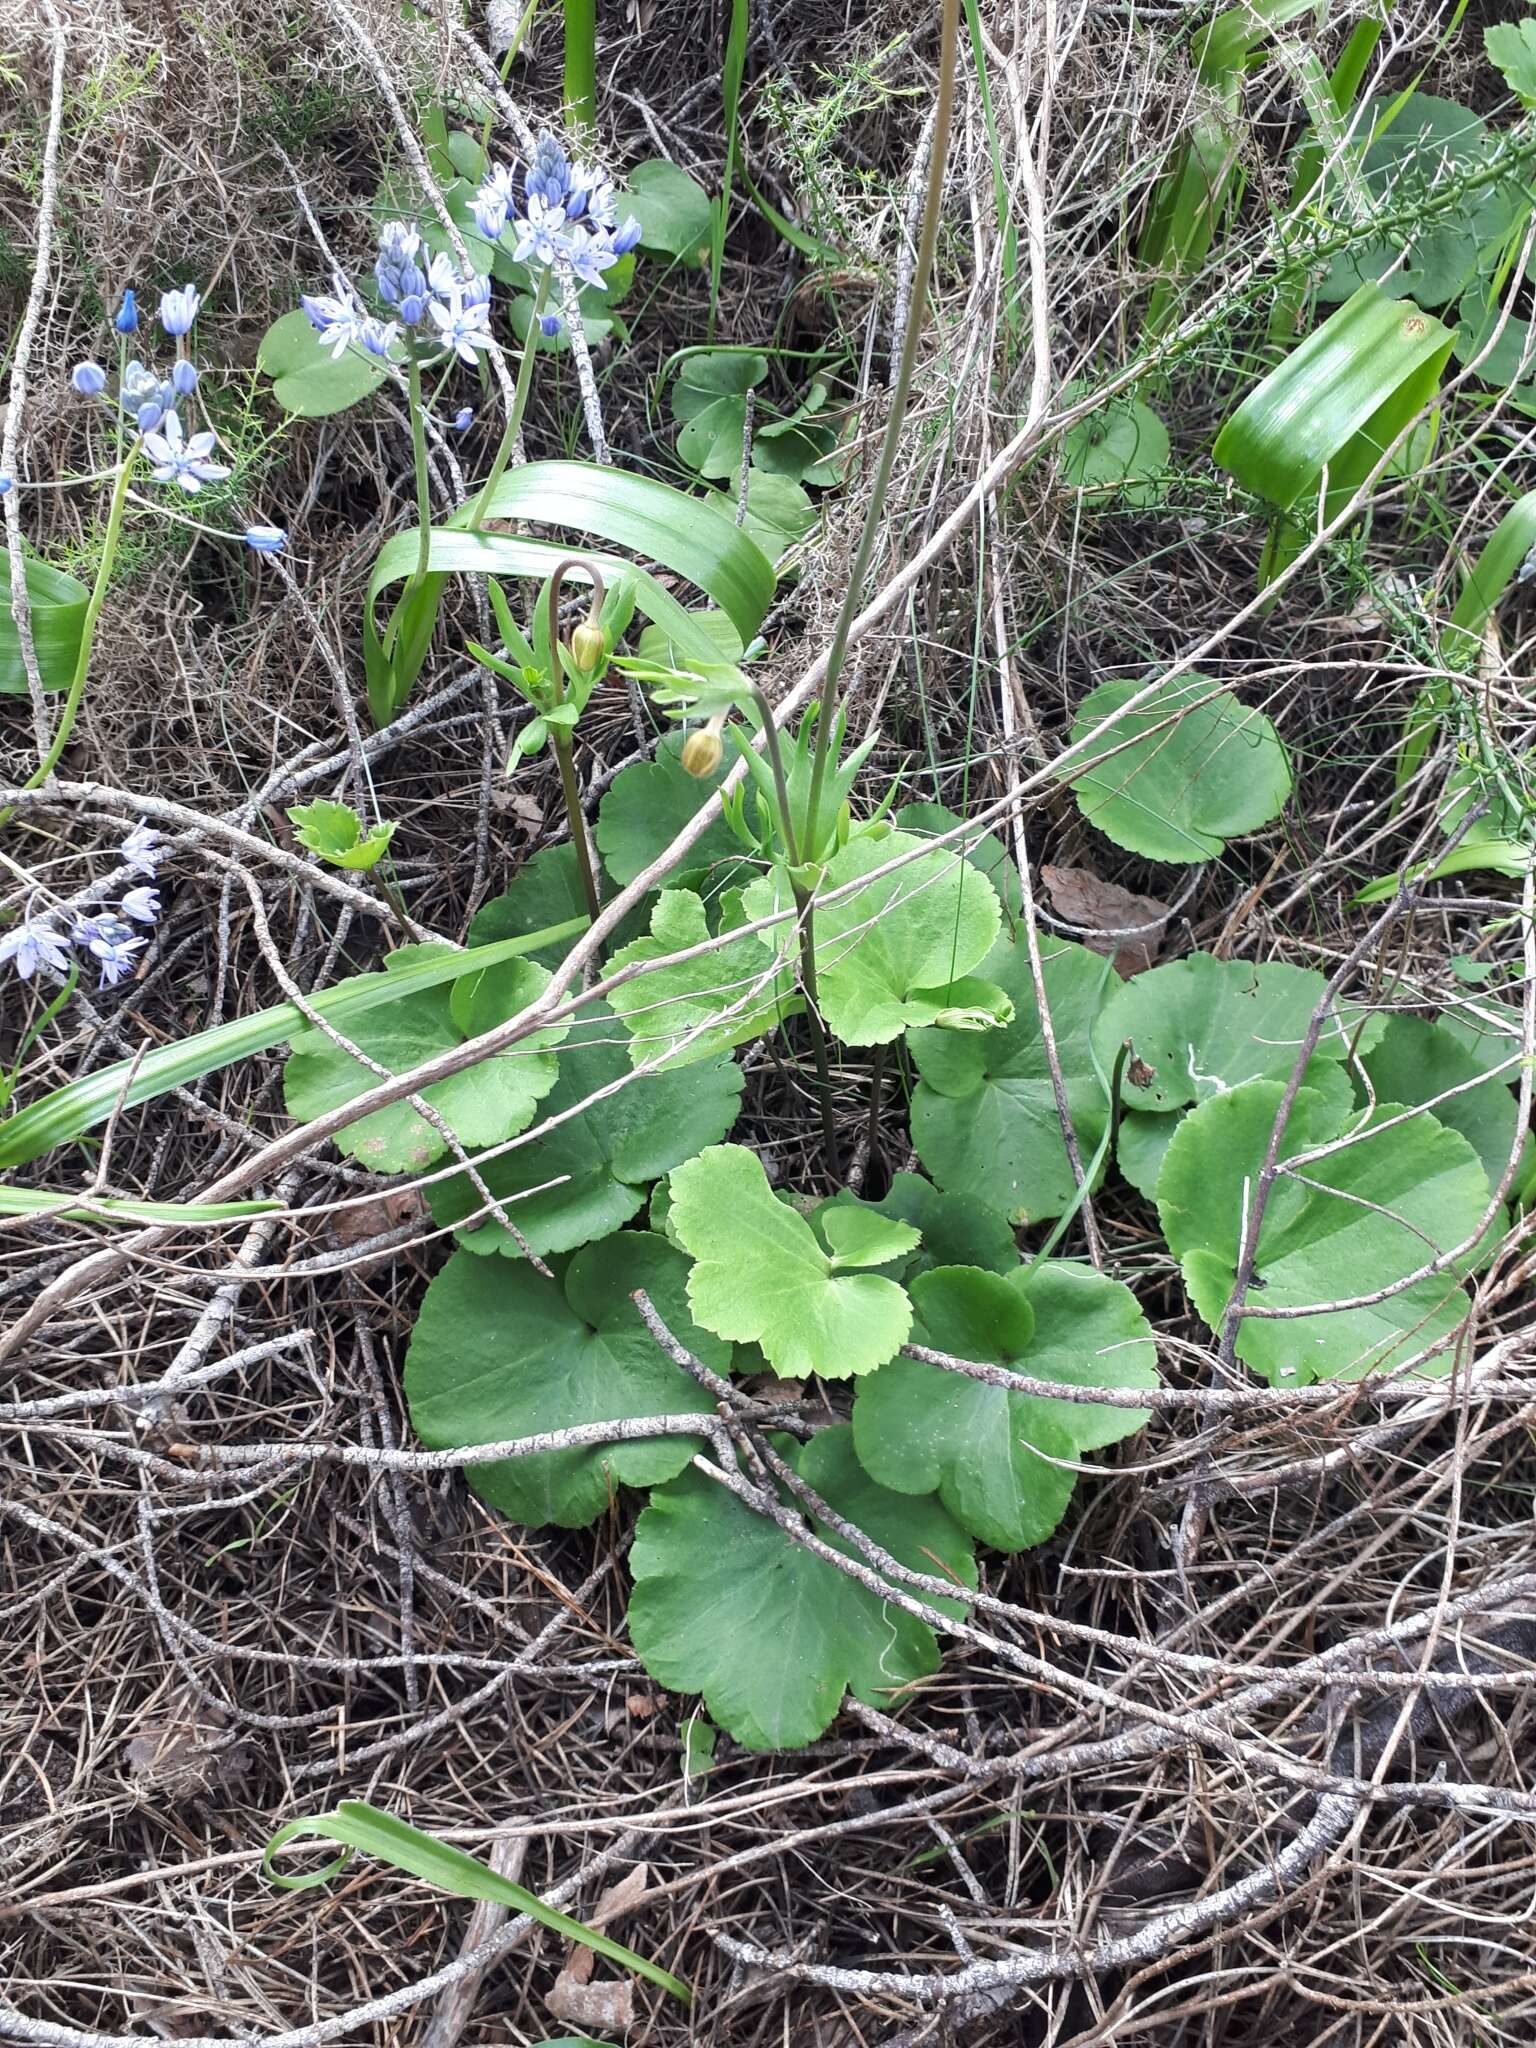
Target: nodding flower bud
588 644
89 379
702 751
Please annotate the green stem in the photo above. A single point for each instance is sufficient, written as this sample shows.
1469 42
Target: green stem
514 426
818 1035
581 63
874 518
780 779
98 598
565 760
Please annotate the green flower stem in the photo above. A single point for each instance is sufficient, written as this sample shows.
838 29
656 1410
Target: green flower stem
566 762
581 63
514 424
900 393
98 598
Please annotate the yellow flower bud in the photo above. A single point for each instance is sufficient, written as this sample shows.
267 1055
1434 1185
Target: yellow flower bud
702 751
588 644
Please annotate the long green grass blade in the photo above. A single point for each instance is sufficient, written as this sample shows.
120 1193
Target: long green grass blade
732 71
359 1826
57 1118
69 1208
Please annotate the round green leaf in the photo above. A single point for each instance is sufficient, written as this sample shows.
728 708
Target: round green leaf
675 213
500 1352
306 378
886 955
482 1105
545 891
649 803
1195 774
987 1451
588 1176
761 1276
702 1007
779 512
986 853
956 1229
984 1115
1123 443
726 1603
710 398
1416 1061
1365 1216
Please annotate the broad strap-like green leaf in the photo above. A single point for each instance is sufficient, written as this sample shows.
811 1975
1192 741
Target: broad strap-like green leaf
69 1111
1388 1203
356 1825
693 539
588 1176
1001 1461
762 1277
499 1352
887 953
726 1604
984 1118
492 1100
697 1009
1180 775
59 604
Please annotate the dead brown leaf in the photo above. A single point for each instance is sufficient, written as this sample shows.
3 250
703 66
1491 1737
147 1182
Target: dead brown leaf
355 1225
607 2002
1127 928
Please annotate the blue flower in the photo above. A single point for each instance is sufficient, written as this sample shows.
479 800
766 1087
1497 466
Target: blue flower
178 460
461 328
32 944
110 941
589 259
397 273
7 483
89 379
266 540
463 419
178 309
337 324
626 238
377 337
142 904
127 321
140 851
184 379
493 202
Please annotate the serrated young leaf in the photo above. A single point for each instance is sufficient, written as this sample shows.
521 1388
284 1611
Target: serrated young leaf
760 1276
984 1115
588 1176
649 803
985 851
728 1605
698 1008
886 955
482 1105
1385 1205
857 1236
1002 1461
335 832
500 1352
955 1229
1200 769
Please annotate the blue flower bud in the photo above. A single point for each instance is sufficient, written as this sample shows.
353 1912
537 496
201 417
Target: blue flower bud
462 420
127 321
7 483
149 417
626 237
549 325
412 309
89 379
178 309
266 540
184 379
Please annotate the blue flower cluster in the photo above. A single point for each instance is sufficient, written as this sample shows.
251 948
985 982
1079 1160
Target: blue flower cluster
151 403
437 302
568 218
107 938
